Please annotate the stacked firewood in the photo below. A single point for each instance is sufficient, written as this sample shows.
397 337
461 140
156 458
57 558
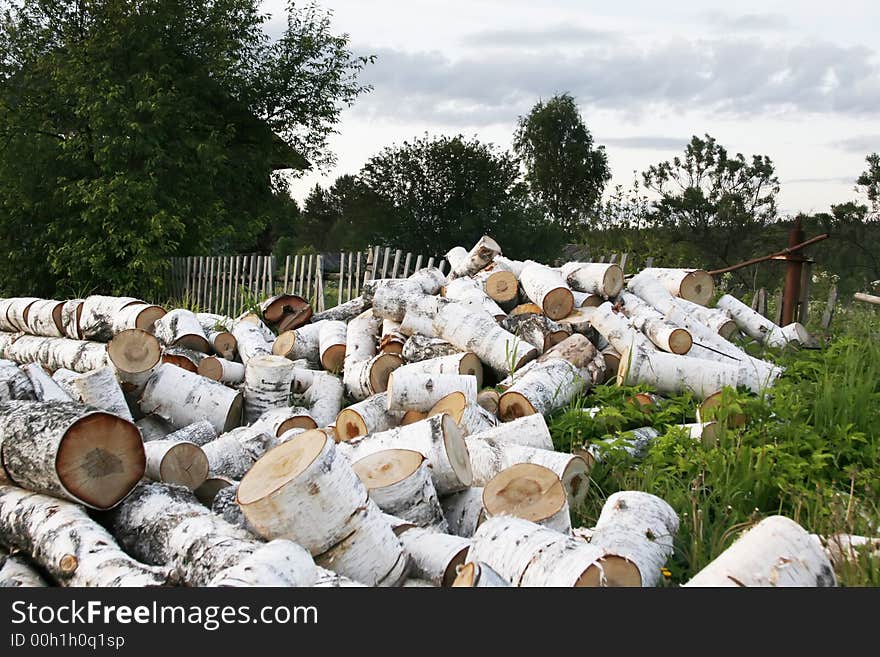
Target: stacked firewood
397 439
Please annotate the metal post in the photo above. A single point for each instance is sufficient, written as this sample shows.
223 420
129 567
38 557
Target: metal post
793 269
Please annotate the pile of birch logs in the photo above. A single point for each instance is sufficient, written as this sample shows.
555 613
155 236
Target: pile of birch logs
398 439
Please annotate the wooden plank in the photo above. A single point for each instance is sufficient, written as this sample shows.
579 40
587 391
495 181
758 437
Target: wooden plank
319 283
368 265
430 262
601 259
778 317
442 266
348 296
762 302
311 266
286 273
377 257
394 269
406 265
357 276
211 262
612 259
385 262
623 258
803 315
649 262
227 281
341 274
418 264
830 307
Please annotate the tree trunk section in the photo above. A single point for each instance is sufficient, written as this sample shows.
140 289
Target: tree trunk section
267 383
54 353
234 453
669 338
544 388
70 316
414 391
45 388
96 320
434 556
672 375
99 388
136 315
324 397
251 341
222 370
531 492
368 416
482 253
17 572
135 356
332 342
547 289
605 280
302 343
176 462
692 284
44 318
344 312
370 377
463 511
420 348
277 421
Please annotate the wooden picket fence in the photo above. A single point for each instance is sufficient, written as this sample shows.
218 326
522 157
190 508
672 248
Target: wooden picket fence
222 284
377 263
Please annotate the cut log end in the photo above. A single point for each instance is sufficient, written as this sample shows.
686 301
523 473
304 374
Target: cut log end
680 341
525 490
558 303
350 425
134 350
298 422
233 417
456 450
411 417
466 576
381 369
100 459
280 466
387 467
333 357
614 572
283 345
211 368
180 361
208 490
698 287
526 309
612 281
455 564
513 405
184 464
502 286
452 404
148 316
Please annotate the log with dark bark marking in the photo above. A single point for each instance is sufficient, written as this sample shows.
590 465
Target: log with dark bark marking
418 348
44 318
100 389
267 382
480 255
208 491
137 315
344 312
163 524
96 317
153 427
544 388
539 331
200 433
17 313
463 362
181 398
71 312
603 279
16 571
225 505
235 452
45 387
434 556
181 328
286 311
251 340
369 377
54 353
74 549
411 390
15 384
304 490
135 356
188 359
464 511
70 451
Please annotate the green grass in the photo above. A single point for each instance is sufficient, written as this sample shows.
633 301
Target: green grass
810 450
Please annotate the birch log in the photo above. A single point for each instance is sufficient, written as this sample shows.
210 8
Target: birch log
462 362
54 353
5 325
136 315
434 556
305 491
17 572
419 348
527 555
546 288
277 421
537 330
499 285
164 524
431 279
344 312
222 370
368 416
199 433
99 388
267 382
301 343
71 312
438 439
470 417
775 552
399 482
617 329
456 257
392 339
482 253
332 341
692 284
477 575
96 317
393 297
649 321
74 549
70 451
235 452
135 356
489 457
463 511
286 311
672 375
752 323
605 280
251 341
415 391
153 427
17 313
360 338
480 334
488 399
44 318
717 320
639 527
14 383
544 388
45 388
182 398
531 492
324 397
369 377
176 462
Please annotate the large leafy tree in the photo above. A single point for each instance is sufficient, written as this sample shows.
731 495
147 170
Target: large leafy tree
132 131
435 193
565 171
869 182
718 202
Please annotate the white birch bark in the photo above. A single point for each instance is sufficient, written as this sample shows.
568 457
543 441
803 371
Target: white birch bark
475 419
528 431
99 388
434 556
544 388
251 341
639 527
419 348
327 579
456 257
370 415
489 457
717 320
45 388
74 549
332 343
96 318
342 313
324 397
181 398
300 344
70 451
17 313
463 511
153 427
277 421
457 363
438 439
44 318
605 280
531 492
478 333
54 353
369 377
70 315
546 288
267 383
135 355
617 329
222 370
539 331
392 339
17 572
752 323
399 482
392 298
65 378
499 284
649 321
482 253
414 391
775 552
418 323
477 575
671 374
692 284
180 328
360 338
136 315
276 563
199 433
176 462
234 453
431 279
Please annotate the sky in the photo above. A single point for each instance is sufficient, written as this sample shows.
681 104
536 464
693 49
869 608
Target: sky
797 81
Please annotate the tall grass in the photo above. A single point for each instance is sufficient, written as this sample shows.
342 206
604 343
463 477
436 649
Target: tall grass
809 450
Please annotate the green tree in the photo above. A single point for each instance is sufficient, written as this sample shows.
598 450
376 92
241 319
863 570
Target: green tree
133 131
718 203
565 172
869 181
436 193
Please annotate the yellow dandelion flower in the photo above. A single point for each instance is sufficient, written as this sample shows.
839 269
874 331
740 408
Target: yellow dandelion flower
666 572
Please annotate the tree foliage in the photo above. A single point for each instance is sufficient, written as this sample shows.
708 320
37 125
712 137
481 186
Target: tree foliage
565 172
869 182
133 131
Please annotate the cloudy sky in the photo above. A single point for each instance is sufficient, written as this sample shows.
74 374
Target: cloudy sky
798 81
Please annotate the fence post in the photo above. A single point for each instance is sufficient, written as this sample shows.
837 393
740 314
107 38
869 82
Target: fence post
806 280
623 258
357 276
397 255
828 315
406 265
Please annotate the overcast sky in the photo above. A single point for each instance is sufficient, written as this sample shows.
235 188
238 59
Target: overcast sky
798 81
